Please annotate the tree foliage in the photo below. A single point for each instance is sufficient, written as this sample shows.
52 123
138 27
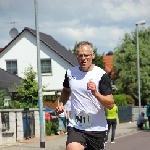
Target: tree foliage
125 64
28 91
2 94
120 100
98 61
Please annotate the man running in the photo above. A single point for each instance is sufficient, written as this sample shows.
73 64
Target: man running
90 91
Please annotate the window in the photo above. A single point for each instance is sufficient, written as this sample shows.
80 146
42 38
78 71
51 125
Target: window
46 66
5 121
11 66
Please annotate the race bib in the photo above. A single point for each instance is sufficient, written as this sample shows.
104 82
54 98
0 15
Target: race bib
83 118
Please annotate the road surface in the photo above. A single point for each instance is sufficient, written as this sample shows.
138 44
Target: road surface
136 141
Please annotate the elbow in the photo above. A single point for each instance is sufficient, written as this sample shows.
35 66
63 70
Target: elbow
111 106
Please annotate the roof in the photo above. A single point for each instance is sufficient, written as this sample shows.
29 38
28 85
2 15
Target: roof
52 44
108 60
8 78
1 49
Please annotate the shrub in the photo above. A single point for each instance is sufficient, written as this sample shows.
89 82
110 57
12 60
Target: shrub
16 104
51 127
54 128
48 127
123 100
120 100
130 100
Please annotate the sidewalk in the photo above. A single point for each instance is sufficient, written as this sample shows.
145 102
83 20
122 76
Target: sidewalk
125 128
57 142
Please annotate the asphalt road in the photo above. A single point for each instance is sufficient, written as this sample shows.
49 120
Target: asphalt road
136 141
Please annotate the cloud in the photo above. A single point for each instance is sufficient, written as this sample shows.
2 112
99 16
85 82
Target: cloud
102 22
98 36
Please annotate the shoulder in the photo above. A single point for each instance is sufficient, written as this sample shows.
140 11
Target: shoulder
100 70
72 69
115 106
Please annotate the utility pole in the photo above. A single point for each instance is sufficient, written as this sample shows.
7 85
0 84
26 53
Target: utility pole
42 141
138 62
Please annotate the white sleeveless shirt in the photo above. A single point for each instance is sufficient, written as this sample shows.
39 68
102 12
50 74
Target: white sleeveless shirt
84 106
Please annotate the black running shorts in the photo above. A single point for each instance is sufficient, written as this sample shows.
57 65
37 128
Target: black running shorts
91 140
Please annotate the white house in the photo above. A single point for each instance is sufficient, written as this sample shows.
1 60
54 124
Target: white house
22 52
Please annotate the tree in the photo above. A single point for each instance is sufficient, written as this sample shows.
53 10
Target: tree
28 91
98 61
125 64
2 94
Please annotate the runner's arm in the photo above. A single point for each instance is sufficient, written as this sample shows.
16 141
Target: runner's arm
106 100
104 95
65 93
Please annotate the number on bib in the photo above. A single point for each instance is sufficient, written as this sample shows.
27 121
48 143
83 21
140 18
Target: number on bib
83 119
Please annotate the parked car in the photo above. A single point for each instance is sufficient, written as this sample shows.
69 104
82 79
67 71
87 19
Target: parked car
49 113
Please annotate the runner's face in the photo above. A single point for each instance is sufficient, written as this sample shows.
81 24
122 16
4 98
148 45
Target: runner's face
85 56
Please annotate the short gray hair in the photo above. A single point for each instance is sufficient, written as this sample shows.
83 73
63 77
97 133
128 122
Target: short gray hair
82 43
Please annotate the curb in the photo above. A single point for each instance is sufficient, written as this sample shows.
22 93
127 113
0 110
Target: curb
126 133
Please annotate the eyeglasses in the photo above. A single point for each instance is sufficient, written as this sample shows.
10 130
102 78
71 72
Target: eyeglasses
83 55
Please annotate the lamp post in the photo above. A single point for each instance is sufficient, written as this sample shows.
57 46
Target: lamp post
42 141
138 62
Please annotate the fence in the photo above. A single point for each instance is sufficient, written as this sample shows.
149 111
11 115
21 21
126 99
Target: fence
125 113
17 124
135 112
129 113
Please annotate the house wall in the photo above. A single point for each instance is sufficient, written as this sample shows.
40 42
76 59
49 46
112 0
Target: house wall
24 50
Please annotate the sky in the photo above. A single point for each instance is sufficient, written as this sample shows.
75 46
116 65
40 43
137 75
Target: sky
102 22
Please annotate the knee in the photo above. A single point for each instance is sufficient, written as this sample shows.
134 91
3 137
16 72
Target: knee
74 145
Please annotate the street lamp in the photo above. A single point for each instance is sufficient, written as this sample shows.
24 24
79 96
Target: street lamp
42 140
138 62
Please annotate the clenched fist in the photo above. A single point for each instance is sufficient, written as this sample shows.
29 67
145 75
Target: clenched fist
91 86
59 110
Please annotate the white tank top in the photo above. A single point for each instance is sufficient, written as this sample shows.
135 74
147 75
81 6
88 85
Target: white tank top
87 113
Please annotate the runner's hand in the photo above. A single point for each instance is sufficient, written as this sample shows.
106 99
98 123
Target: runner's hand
59 110
91 86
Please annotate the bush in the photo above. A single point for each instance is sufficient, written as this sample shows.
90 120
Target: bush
54 128
123 100
130 100
16 104
51 127
48 127
120 100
